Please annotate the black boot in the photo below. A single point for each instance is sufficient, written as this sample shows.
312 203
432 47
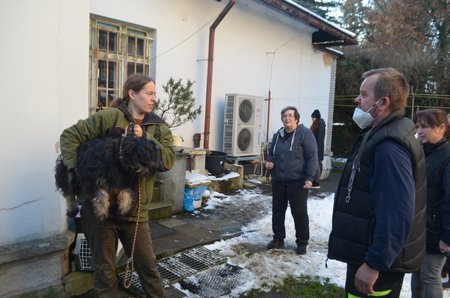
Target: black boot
275 244
301 249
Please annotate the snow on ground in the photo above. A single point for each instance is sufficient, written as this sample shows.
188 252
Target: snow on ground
265 267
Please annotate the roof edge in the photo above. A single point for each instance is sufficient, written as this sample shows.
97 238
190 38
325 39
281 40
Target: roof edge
328 32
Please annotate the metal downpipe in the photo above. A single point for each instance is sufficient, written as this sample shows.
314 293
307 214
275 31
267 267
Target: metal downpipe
210 71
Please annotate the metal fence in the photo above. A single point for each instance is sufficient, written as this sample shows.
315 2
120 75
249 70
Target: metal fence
345 130
416 102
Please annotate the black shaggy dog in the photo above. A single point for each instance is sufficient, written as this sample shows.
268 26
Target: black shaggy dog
107 172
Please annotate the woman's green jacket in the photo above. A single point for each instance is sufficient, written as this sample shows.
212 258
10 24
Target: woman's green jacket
99 124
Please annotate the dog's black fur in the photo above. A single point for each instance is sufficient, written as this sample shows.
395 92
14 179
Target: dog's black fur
107 172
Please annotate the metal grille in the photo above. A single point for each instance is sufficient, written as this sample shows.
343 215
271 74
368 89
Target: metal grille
187 263
172 269
204 256
182 265
229 121
135 282
215 282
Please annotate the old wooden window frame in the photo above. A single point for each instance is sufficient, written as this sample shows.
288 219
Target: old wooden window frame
116 50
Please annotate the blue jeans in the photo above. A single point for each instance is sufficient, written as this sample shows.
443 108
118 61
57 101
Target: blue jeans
427 282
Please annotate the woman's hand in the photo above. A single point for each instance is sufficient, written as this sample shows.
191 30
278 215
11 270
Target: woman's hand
308 184
443 247
136 130
269 165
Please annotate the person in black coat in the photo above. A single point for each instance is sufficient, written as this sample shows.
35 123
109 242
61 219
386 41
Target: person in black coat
433 131
379 211
318 129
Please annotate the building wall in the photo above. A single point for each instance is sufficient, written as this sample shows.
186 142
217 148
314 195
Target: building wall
329 123
256 49
44 86
45 83
45 63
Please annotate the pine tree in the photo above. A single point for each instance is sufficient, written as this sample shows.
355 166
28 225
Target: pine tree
178 108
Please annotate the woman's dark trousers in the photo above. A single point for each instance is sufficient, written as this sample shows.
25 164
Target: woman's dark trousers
297 196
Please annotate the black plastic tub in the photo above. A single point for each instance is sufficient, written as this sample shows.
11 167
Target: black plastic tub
214 162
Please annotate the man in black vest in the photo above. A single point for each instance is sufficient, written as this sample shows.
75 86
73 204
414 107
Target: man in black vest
378 225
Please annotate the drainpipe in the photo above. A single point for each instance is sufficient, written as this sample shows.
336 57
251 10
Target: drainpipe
210 71
268 117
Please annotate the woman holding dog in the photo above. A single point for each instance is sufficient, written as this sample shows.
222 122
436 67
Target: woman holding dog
133 113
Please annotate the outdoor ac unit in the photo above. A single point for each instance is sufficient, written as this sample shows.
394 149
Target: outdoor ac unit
243 125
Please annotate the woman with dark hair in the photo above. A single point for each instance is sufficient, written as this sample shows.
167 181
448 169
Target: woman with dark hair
293 161
132 113
318 129
433 132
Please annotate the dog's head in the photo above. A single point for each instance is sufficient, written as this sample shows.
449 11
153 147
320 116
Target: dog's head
66 181
139 157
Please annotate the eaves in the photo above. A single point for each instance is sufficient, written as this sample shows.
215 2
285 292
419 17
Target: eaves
327 35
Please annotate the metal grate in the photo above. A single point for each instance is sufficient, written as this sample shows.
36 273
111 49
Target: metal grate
204 256
182 265
228 127
187 263
217 281
135 282
172 269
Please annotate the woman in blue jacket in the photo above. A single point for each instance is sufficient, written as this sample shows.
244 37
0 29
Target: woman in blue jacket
293 161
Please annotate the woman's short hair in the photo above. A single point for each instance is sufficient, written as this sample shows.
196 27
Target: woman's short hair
432 118
296 114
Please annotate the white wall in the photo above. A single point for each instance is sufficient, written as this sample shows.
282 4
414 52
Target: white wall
247 40
280 59
182 30
44 79
42 90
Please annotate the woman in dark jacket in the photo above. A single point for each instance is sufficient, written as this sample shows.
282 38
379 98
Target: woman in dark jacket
318 129
433 131
293 161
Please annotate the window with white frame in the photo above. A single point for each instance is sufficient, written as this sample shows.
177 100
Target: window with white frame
116 51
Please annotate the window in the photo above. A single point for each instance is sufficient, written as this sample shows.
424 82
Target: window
116 51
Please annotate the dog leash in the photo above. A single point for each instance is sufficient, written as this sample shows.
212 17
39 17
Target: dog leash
130 264
128 132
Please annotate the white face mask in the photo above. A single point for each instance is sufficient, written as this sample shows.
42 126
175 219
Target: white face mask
363 119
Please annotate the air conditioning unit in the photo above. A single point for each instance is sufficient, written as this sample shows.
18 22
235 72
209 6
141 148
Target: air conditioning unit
243 132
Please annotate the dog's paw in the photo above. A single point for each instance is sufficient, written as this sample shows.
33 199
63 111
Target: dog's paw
124 201
101 204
